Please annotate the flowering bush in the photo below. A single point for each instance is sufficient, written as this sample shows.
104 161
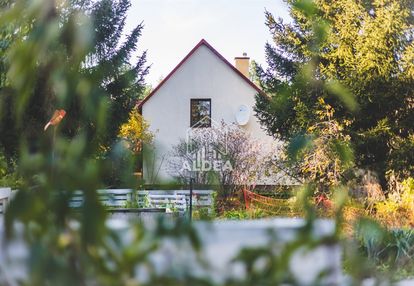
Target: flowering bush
136 132
225 155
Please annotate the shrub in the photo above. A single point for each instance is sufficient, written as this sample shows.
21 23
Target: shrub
242 160
397 210
324 155
389 251
244 214
135 132
203 214
366 189
8 174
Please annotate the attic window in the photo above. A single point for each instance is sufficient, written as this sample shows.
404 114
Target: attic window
200 113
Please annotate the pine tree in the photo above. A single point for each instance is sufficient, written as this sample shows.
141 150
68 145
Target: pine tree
369 50
112 64
111 61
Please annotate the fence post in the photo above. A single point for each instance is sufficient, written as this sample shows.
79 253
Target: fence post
191 199
246 199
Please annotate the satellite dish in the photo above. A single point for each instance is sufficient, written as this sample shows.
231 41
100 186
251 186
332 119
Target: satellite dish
242 115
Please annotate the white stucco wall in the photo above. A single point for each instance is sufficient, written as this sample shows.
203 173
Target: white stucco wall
203 75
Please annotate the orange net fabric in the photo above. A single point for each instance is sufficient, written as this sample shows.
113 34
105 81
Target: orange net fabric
271 206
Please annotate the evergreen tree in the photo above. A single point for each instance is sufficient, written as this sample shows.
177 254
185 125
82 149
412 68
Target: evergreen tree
111 64
369 49
9 133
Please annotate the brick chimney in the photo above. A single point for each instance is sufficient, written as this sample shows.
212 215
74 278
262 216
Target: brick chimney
243 64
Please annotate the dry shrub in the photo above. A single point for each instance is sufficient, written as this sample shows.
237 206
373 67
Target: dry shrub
397 210
233 201
367 189
351 214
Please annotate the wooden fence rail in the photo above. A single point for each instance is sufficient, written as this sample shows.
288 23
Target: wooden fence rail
5 194
174 200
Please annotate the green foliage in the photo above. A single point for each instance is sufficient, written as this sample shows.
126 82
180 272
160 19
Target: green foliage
244 214
328 157
8 174
9 34
119 159
389 251
133 202
68 246
108 64
204 214
355 56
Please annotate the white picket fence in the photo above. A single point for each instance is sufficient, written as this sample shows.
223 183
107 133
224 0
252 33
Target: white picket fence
116 198
173 200
5 194
176 199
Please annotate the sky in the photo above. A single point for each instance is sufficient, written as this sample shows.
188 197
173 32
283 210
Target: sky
173 27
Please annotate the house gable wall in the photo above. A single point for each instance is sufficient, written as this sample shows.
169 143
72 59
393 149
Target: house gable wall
202 75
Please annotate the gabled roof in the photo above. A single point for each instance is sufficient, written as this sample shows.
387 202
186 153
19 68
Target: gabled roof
201 43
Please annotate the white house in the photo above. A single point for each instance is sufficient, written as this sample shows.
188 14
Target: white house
203 84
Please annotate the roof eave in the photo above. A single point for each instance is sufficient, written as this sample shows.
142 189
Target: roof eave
205 43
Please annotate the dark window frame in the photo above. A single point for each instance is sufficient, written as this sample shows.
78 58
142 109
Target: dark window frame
192 123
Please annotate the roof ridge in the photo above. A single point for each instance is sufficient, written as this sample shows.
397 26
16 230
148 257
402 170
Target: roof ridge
205 43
